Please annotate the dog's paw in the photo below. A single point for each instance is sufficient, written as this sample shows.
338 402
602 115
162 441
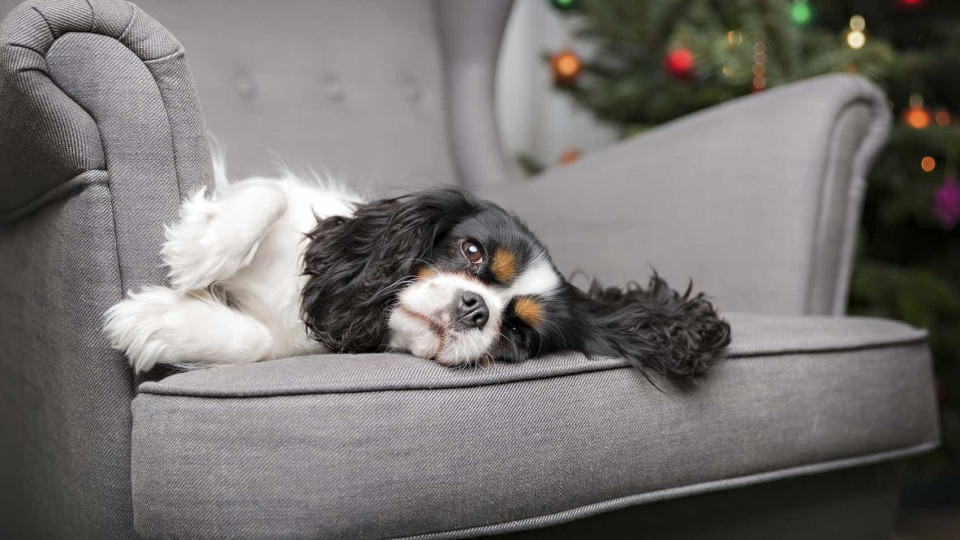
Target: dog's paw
214 239
194 251
134 326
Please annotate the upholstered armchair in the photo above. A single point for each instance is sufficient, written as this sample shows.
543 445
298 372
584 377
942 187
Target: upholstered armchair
104 115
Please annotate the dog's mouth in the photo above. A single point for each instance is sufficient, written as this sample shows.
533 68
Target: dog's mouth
438 327
448 342
446 319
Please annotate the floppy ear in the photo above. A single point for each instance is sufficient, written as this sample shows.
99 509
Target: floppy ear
657 328
356 265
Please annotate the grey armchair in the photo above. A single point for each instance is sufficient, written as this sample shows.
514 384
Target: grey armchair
796 435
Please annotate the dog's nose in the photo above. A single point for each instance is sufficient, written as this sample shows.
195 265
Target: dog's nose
472 311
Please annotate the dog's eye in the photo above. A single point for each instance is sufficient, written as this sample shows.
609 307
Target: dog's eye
471 250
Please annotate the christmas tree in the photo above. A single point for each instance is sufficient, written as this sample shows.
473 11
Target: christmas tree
656 60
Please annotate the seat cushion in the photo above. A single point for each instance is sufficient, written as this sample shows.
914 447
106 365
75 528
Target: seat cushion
387 445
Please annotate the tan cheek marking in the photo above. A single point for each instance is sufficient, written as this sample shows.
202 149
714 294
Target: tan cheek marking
503 266
425 272
529 311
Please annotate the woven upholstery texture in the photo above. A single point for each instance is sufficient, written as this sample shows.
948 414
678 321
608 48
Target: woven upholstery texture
757 200
101 137
372 446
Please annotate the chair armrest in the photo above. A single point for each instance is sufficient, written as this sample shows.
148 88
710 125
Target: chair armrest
757 199
99 93
100 136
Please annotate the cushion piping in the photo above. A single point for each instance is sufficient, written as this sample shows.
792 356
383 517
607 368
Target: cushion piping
379 385
676 492
67 188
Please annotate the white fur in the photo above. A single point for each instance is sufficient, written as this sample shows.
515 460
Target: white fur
247 240
431 299
539 279
160 326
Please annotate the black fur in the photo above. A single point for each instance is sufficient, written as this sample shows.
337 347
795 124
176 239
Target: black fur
357 266
677 335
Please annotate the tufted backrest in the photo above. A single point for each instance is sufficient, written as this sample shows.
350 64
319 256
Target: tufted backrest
351 89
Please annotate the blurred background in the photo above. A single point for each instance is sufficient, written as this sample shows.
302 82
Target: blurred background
577 75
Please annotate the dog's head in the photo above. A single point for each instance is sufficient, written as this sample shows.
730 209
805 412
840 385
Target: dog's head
448 277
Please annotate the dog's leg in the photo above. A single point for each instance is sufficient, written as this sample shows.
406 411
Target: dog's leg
215 238
160 326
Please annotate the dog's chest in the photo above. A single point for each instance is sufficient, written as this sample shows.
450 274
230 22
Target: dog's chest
269 288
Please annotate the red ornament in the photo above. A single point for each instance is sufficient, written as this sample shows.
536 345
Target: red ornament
679 63
910 4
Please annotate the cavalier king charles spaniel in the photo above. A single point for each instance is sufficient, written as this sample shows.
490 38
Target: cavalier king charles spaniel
270 268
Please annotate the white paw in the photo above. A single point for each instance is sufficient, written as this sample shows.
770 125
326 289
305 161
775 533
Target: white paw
160 326
214 239
191 251
134 326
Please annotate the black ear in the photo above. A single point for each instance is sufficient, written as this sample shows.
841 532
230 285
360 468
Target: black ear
356 265
657 328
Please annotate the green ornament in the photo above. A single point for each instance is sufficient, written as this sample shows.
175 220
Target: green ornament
565 5
801 13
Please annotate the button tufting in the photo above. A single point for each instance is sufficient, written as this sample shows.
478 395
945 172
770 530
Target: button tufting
245 85
332 88
409 88
412 93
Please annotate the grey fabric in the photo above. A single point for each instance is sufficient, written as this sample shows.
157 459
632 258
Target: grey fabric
47 138
102 135
470 34
113 71
64 394
757 199
390 445
351 89
849 504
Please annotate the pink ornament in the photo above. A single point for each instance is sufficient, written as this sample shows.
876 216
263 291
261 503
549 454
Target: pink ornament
946 203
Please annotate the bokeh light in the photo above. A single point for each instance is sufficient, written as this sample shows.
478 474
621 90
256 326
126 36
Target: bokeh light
856 39
917 117
801 13
858 23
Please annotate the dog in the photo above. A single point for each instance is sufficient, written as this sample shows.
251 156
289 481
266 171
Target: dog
270 268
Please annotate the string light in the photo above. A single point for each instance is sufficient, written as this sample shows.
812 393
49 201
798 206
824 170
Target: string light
856 39
917 116
759 66
858 23
942 118
566 67
928 164
734 38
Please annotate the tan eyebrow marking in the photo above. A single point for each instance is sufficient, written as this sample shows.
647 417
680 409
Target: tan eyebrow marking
529 311
504 265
